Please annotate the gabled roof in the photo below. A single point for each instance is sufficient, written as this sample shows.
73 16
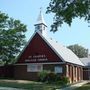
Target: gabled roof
64 53
86 61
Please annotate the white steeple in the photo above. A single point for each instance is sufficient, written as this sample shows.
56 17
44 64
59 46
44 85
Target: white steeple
40 25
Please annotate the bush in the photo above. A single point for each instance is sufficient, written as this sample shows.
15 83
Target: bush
65 80
51 77
58 78
42 76
47 76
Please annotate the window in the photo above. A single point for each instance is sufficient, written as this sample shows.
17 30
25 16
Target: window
34 68
58 69
37 27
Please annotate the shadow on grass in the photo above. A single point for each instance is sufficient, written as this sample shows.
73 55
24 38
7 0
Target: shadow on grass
29 85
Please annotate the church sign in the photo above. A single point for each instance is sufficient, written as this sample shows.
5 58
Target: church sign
36 58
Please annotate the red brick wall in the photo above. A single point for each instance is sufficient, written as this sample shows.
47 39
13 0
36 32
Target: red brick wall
7 71
74 73
21 71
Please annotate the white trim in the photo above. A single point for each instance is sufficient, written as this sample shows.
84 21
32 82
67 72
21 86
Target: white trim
26 45
41 63
45 41
51 47
61 56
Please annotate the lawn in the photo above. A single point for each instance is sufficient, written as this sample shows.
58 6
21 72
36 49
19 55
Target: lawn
84 87
29 85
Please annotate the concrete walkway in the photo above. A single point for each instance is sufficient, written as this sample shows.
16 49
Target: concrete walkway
74 86
7 88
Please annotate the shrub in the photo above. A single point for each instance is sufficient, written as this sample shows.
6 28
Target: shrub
42 76
47 76
58 78
51 77
61 80
65 80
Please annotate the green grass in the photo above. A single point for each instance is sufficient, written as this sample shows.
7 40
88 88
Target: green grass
29 86
84 87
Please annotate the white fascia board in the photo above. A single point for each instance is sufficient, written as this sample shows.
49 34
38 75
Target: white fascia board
41 63
52 47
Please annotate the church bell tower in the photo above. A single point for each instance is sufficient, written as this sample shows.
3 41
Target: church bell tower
40 25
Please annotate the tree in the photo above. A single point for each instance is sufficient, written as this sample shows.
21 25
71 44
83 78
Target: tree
67 10
79 50
12 38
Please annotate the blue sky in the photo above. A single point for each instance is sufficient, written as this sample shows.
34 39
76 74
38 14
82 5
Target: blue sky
27 12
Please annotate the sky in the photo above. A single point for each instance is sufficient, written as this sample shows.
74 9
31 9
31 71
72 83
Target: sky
27 12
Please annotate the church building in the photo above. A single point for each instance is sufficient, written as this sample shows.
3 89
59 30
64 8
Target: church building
44 53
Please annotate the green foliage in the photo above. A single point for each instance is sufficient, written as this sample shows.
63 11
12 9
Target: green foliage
79 50
65 80
46 76
67 10
12 38
42 75
52 78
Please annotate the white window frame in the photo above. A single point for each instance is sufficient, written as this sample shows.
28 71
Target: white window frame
58 69
34 67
